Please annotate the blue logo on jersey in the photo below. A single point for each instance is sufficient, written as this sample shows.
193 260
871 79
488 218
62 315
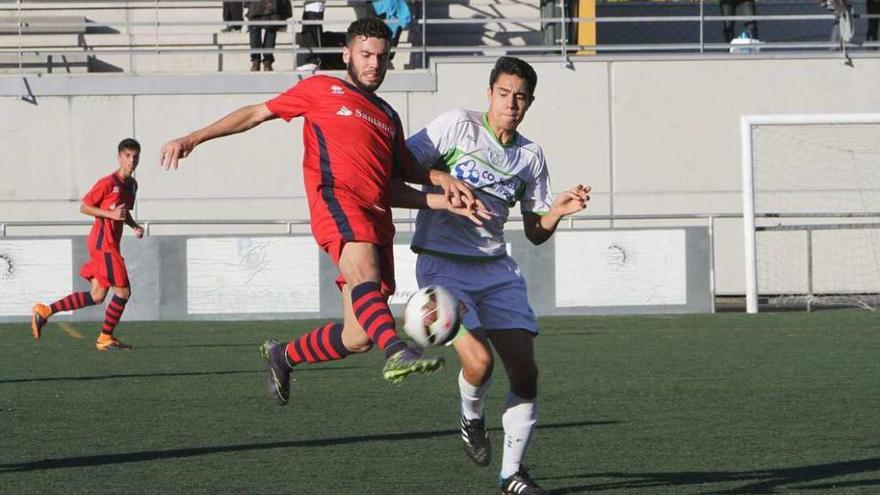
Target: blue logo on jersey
486 180
467 171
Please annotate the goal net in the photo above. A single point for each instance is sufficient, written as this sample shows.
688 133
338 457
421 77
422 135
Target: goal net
811 210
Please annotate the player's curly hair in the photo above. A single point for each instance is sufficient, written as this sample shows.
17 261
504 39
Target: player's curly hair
129 144
367 27
514 67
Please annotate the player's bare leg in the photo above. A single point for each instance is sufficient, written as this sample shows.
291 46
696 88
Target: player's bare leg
516 350
474 381
369 314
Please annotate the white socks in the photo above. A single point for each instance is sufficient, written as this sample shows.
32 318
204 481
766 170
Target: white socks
472 403
519 420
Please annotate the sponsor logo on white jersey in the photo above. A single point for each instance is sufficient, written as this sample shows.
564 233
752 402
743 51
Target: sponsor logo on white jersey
344 111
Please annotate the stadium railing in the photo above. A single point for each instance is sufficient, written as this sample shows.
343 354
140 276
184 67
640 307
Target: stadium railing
159 28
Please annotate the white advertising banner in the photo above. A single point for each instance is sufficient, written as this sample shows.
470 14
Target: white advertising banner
621 268
33 271
252 275
404 274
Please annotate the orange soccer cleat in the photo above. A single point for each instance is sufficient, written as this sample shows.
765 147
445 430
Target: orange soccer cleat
108 343
40 316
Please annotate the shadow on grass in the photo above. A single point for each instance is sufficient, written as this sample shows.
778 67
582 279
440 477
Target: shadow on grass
170 374
159 455
757 481
250 345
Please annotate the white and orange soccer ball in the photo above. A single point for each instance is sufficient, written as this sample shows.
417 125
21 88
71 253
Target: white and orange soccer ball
431 316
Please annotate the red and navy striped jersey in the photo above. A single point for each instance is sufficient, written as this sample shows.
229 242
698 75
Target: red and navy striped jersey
108 193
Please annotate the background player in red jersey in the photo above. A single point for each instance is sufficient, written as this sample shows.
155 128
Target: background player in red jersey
354 151
110 201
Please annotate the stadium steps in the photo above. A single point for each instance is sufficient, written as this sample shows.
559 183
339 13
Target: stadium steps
51 24
102 43
54 63
491 34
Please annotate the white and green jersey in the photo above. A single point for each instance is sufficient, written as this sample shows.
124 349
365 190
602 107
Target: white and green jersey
461 143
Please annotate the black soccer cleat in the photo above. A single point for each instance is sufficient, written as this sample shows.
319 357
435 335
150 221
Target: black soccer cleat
278 371
520 483
475 440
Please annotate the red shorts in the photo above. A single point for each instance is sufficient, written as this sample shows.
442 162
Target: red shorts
386 264
336 215
107 267
338 218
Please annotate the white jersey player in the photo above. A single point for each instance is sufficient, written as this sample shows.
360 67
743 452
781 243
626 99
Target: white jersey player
471 261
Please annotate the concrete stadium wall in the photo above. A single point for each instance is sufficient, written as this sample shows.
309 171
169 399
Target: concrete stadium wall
651 135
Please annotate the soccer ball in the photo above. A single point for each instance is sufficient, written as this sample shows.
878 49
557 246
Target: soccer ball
431 316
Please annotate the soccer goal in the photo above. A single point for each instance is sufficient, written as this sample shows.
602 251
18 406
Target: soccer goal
811 210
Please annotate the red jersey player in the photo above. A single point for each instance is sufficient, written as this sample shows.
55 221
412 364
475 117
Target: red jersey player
355 162
110 201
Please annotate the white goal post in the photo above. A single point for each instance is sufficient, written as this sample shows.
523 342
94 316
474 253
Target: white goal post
811 209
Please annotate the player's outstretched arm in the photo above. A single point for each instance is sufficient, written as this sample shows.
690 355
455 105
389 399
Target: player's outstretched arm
241 120
404 196
458 192
539 228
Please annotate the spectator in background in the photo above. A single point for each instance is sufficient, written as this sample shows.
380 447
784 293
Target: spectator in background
312 34
873 8
842 30
233 12
396 14
263 36
745 7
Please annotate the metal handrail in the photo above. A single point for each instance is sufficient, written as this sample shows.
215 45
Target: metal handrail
570 222
563 47
453 22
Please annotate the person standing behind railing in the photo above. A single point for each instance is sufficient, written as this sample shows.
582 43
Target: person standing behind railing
264 36
396 14
873 8
730 8
232 12
312 34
